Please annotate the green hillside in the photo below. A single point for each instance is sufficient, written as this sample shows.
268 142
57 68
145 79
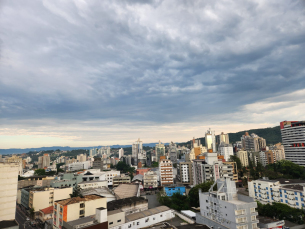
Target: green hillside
271 134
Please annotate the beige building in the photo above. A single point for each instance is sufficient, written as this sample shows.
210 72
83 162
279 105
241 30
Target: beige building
121 179
234 166
243 157
150 179
166 172
224 138
44 161
8 190
45 197
253 142
75 208
81 158
93 184
16 159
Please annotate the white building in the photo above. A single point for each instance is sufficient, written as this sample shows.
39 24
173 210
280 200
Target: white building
226 150
225 208
210 142
293 139
78 166
105 150
138 154
224 138
93 152
93 184
8 190
290 192
121 153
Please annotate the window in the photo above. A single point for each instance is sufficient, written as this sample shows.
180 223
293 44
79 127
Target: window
253 218
138 223
110 223
129 226
82 205
160 215
81 212
119 221
153 218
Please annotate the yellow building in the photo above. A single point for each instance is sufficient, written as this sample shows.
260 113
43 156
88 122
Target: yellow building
243 157
8 190
75 208
45 197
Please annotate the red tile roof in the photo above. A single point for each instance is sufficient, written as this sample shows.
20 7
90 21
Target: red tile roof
47 210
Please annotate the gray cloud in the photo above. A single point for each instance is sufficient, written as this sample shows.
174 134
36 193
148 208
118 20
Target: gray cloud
156 62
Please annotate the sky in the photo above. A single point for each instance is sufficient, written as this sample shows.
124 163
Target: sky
85 73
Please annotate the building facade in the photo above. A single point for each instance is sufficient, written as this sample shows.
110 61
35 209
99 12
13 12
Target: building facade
226 150
150 180
210 141
159 150
253 142
138 154
166 172
293 139
8 190
225 208
243 157
185 172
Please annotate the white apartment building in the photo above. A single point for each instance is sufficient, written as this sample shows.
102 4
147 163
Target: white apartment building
138 154
226 150
293 139
8 190
290 192
78 166
93 184
159 150
243 157
210 142
225 208
185 172
166 172
121 153
93 152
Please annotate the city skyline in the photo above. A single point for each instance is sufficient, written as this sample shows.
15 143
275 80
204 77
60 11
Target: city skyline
104 73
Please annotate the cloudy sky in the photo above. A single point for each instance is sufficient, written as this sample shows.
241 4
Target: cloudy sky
85 73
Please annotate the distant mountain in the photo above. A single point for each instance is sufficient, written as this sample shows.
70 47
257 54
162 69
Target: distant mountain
19 151
271 134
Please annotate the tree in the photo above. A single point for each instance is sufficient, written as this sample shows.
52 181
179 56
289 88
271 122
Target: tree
32 213
154 164
237 160
77 192
40 172
175 165
179 202
193 196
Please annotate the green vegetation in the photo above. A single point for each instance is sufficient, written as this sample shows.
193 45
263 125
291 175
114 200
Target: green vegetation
124 168
176 201
76 192
154 164
281 211
284 169
180 202
271 134
193 196
40 172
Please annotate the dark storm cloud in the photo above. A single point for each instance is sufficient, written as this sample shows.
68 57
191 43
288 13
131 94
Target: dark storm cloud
150 61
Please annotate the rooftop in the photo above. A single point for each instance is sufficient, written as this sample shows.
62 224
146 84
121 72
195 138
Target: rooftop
295 187
126 190
118 204
265 220
47 210
8 223
284 181
146 213
114 212
92 181
103 191
138 177
77 199
83 220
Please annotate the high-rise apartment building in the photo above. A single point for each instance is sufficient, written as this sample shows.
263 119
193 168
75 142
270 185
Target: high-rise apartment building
121 153
226 150
81 158
8 190
138 154
224 138
159 150
210 142
196 150
150 179
185 172
243 157
253 142
105 150
44 161
15 159
225 208
93 152
173 152
98 163
293 139
166 172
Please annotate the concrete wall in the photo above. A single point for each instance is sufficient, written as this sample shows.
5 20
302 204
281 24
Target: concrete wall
8 190
116 219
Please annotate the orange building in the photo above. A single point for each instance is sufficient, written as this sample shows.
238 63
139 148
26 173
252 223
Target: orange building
141 171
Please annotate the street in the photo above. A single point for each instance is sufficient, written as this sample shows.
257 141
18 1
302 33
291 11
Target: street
21 219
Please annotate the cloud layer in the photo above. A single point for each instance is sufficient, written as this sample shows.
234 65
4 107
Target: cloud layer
87 72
